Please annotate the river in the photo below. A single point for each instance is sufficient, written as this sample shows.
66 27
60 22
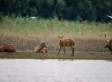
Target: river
54 70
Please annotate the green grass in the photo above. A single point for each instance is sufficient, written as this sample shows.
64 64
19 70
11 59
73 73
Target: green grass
26 34
51 25
54 56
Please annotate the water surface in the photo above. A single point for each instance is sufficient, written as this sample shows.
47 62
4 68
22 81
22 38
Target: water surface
30 70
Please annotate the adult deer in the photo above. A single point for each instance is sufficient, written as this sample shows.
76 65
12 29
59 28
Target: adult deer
7 47
108 44
64 42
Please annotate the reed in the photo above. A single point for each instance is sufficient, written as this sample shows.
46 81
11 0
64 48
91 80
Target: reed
26 34
26 25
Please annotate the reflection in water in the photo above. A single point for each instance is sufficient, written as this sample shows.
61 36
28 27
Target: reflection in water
30 70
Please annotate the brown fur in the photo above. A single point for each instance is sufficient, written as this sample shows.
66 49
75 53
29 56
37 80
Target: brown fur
109 45
7 47
42 48
64 42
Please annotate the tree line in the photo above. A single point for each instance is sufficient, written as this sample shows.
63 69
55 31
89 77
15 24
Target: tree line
90 10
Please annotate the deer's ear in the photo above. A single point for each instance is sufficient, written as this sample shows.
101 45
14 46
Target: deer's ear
58 36
41 41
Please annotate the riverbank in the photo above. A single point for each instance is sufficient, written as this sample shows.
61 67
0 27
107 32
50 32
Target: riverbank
82 56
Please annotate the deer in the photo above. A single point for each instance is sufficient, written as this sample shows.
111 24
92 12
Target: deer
7 47
64 42
42 48
108 44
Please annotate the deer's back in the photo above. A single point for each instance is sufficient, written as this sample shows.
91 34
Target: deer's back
8 48
67 42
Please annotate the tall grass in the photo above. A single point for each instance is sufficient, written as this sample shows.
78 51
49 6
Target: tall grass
27 33
52 25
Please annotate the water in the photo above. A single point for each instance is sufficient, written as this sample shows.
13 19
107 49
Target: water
30 70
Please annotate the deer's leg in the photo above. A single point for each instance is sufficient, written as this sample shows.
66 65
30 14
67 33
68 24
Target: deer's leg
42 51
46 51
64 50
59 51
72 50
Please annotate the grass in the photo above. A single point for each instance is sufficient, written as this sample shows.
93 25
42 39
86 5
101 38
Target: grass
52 25
26 34
54 56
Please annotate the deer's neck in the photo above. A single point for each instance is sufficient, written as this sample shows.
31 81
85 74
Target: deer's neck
41 46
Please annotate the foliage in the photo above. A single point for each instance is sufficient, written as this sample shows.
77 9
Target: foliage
26 33
52 25
91 10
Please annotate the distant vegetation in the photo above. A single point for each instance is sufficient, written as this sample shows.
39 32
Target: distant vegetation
39 25
26 22
90 10
26 34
